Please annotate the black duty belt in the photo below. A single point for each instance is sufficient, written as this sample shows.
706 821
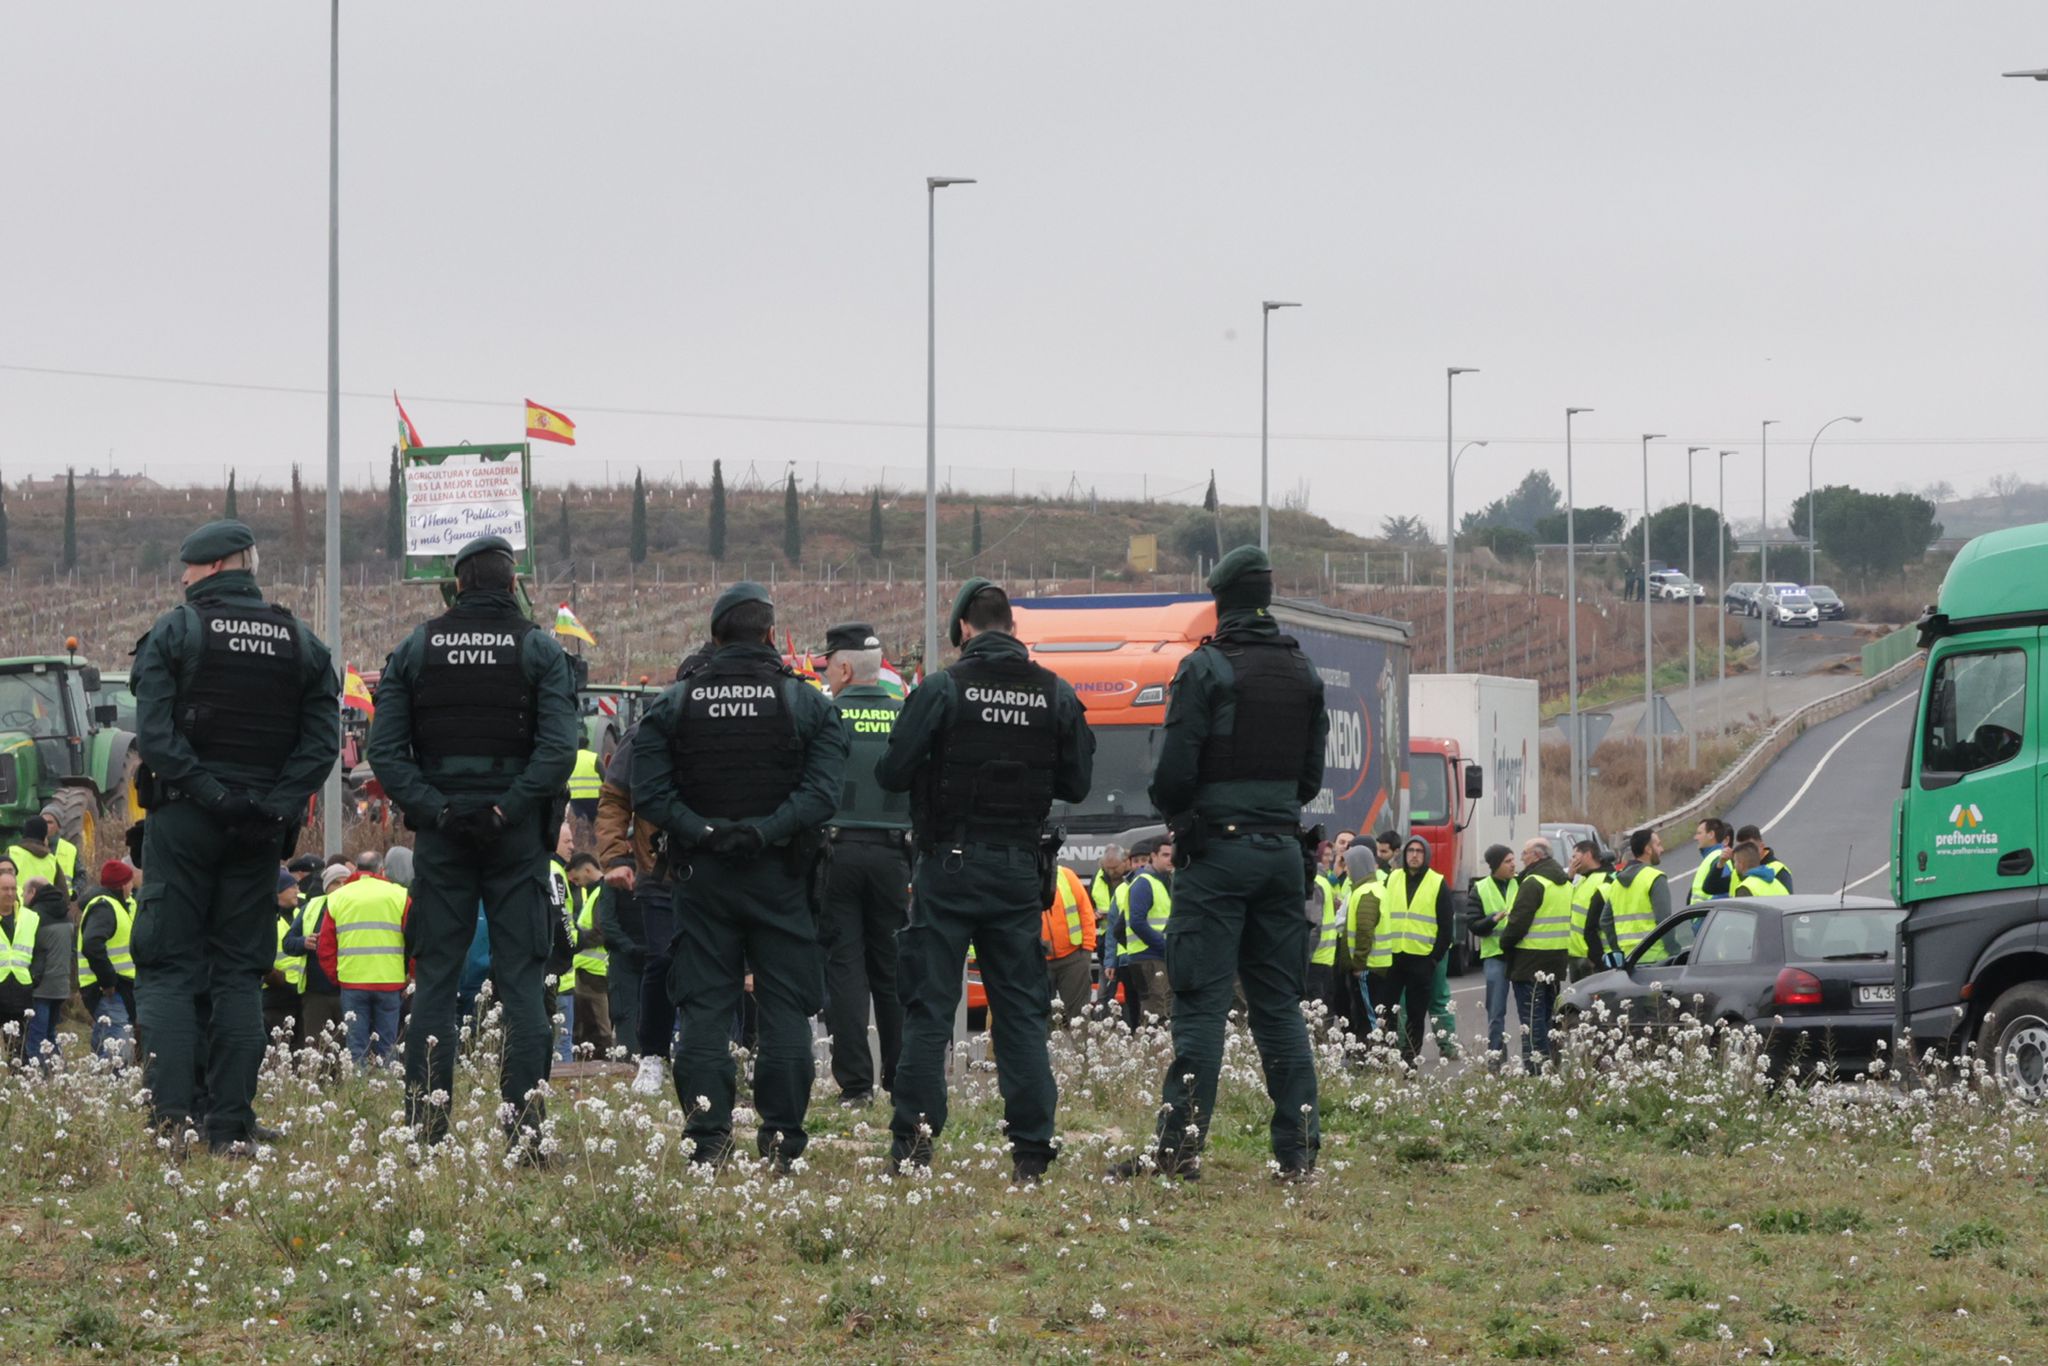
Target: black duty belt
846 834
1233 832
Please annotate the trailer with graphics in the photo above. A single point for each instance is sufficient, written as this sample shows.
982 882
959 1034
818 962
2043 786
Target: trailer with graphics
1120 652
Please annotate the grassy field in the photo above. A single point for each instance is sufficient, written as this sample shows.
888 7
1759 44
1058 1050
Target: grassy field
1659 1204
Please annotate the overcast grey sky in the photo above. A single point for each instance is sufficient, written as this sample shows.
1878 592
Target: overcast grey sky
1687 217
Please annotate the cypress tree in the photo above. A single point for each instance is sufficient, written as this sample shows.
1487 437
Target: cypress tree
975 549
1209 499
70 521
394 512
875 524
717 541
229 511
3 525
636 549
298 515
792 528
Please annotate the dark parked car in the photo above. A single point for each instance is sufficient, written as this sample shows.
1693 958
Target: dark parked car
1830 603
1565 835
1740 598
1813 974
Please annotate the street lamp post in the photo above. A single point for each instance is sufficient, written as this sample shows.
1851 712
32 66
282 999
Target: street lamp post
1692 630
1721 584
1571 618
1451 374
1650 737
1813 543
330 795
932 186
1763 553
1265 327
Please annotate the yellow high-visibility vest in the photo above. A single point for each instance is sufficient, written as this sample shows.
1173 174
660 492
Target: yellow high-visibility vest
1759 886
1551 929
584 780
564 899
117 943
369 932
1377 955
1408 921
597 961
17 955
1582 904
1162 910
292 965
1496 902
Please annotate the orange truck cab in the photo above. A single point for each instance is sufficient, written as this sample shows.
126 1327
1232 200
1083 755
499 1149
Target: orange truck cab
1120 651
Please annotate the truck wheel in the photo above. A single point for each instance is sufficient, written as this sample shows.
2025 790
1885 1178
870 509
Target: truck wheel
76 816
2014 1038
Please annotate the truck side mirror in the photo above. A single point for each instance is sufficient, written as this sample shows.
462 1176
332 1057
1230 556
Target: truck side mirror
1475 782
106 714
89 677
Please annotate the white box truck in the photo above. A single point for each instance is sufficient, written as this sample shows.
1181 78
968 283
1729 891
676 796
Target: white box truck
1473 772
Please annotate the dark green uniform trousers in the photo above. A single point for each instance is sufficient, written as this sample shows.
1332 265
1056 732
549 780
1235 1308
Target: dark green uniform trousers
1237 915
449 879
205 927
987 894
733 917
867 898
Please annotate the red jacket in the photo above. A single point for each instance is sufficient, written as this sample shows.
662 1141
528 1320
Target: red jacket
327 947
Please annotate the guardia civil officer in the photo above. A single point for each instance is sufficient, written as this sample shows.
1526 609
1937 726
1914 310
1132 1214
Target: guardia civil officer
867 895
474 738
740 761
1241 754
984 749
238 722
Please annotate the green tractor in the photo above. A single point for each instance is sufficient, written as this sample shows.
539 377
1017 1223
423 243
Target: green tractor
62 748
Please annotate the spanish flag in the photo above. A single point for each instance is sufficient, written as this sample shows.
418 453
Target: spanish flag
567 625
408 435
355 693
545 424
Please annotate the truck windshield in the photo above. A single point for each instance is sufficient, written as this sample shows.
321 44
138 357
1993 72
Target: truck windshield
1976 711
1428 795
1119 797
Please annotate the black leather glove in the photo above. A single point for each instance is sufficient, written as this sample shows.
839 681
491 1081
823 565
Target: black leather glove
246 823
738 842
474 827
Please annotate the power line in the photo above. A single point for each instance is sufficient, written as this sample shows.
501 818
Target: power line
1021 429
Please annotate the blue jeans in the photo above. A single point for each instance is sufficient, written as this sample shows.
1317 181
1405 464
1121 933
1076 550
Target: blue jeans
372 1022
1532 1007
110 1022
565 1038
1497 993
42 1028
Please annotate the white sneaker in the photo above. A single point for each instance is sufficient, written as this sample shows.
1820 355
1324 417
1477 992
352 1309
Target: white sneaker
647 1081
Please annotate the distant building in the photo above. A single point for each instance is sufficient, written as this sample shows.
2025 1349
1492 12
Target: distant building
113 481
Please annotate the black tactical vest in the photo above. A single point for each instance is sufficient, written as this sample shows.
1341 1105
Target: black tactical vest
870 720
471 699
1274 687
992 775
242 705
735 744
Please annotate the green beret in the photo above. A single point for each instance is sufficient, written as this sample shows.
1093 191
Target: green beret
1246 559
482 544
216 541
746 590
851 635
968 592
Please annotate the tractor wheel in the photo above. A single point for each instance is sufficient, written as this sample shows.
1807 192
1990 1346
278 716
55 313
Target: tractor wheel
77 815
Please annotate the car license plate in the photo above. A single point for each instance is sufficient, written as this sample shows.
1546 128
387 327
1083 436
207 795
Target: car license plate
1877 996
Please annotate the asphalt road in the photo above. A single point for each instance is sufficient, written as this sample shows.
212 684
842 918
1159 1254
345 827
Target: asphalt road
1824 806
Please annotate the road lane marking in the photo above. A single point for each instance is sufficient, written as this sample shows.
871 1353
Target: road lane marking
1774 822
1865 878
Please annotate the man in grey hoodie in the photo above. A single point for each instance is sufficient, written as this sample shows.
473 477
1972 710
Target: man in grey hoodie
52 964
1419 909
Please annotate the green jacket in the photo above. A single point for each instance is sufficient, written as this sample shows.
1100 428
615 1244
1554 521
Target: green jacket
929 711
423 795
809 805
167 660
862 805
1202 705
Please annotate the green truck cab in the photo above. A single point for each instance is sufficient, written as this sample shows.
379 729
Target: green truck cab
1970 828
61 746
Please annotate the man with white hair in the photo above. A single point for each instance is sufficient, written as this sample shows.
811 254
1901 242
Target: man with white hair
867 891
321 1004
1537 937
